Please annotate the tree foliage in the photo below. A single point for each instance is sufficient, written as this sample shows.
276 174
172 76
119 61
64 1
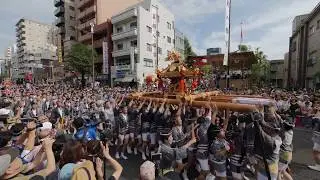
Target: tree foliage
260 71
79 58
188 52
207 70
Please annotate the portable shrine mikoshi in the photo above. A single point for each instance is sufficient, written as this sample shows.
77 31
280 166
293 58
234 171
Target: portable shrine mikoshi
178 92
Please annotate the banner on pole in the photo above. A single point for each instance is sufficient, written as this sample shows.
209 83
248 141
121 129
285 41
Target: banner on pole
227 31
105 55
59 54
132 59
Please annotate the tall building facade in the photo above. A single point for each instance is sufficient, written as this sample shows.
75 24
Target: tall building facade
65 14
304 50
277 72
143 35
96 12
34 45
179 42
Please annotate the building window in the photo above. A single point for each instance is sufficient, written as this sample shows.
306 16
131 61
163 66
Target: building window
158 18
159 50
153 16
168 52
169 39
312 29
168 25
318 24
149 47
149 29
134 43
148 62
71 8
119 29
133 25
120 46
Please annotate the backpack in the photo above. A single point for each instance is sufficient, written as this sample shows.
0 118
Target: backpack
84 171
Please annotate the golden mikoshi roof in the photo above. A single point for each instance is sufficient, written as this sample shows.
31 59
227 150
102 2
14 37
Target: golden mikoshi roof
177 68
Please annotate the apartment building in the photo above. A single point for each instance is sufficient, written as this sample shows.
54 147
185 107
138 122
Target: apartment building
143 34
179 42
35 45
65 14
277 72
96 12
304 51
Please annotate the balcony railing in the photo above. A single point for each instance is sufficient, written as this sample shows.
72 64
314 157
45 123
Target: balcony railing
84 3
126 34
123 67
60 21
86 25
59 11
58 3
87 12
123 52
127 14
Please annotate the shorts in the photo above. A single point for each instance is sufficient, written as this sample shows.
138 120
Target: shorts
316 147
204 164
285 159
123 137
153 138
132 135
145 137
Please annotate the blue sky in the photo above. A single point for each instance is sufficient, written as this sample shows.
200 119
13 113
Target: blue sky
267 23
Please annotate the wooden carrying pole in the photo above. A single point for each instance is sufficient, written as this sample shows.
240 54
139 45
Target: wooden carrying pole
220 105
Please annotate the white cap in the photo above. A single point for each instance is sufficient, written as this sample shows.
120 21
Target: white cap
46 126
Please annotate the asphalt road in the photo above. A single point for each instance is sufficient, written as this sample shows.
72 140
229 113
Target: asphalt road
302 157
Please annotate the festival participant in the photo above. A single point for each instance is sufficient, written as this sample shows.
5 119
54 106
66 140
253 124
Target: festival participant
316 140
286 148
134 115
123 136
267 143
203 143
145 123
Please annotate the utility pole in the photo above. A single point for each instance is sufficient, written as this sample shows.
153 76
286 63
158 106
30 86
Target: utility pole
157 38
92 56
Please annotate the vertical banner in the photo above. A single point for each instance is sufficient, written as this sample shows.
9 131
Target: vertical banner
105 66
227 32
59 54
132 59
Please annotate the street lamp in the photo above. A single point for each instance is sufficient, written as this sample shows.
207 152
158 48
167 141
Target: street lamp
92 32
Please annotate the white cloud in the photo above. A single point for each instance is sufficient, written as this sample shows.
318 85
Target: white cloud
275 22
192 10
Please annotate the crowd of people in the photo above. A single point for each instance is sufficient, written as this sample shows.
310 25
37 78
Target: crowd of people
60 132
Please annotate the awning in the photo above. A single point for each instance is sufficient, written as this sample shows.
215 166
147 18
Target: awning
125 79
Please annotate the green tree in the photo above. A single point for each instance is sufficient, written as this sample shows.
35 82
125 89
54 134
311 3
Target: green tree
188 52
260 71
79 59
207 70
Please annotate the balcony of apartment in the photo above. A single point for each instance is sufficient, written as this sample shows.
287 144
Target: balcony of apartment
123 52
58 3
60 21
89 12
127 34
59 11
125 15
85 3
20 26
21 38
85 37
86 25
